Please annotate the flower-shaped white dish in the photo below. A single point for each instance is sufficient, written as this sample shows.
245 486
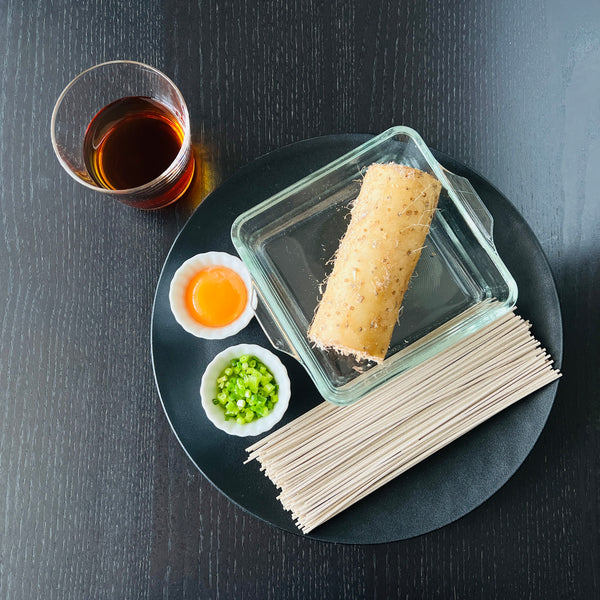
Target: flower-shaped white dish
179 289
208 390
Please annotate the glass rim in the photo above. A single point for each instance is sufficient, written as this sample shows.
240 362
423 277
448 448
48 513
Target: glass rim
185 144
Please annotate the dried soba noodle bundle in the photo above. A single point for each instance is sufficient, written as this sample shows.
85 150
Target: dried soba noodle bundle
330 457
375 261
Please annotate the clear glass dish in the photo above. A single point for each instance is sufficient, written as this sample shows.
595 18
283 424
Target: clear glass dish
287 243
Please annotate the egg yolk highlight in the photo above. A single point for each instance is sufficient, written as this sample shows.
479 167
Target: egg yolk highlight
216 296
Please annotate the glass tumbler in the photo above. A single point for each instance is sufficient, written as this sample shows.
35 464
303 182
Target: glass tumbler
122 128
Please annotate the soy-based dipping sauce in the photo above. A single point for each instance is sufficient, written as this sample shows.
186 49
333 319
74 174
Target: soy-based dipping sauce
131 142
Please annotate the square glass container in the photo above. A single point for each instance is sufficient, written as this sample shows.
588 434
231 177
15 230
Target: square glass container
287 242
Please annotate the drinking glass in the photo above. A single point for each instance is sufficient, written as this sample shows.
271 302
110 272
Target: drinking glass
122 128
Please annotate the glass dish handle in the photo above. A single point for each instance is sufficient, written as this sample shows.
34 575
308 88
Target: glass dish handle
474 205
274 334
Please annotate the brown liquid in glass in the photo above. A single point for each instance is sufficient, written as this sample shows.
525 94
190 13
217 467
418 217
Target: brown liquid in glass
131 142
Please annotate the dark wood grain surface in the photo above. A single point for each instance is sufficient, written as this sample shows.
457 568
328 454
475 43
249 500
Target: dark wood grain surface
97 499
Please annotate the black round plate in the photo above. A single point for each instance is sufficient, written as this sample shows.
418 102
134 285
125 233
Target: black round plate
438 491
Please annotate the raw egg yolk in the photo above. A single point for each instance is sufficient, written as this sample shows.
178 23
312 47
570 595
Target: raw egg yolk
216 296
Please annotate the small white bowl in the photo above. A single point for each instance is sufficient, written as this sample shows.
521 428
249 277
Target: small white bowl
179 285
208 390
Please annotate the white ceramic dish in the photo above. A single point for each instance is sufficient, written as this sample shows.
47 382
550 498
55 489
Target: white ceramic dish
179 285
208 390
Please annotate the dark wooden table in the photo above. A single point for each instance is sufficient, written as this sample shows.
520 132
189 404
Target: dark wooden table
97 498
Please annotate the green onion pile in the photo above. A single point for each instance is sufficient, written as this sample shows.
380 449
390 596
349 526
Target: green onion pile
246 390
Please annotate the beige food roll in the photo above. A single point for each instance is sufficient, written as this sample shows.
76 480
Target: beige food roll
376 258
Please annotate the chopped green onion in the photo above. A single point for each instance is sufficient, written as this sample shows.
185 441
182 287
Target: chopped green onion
246 390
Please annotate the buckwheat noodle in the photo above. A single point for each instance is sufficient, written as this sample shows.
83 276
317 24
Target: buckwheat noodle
332 456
